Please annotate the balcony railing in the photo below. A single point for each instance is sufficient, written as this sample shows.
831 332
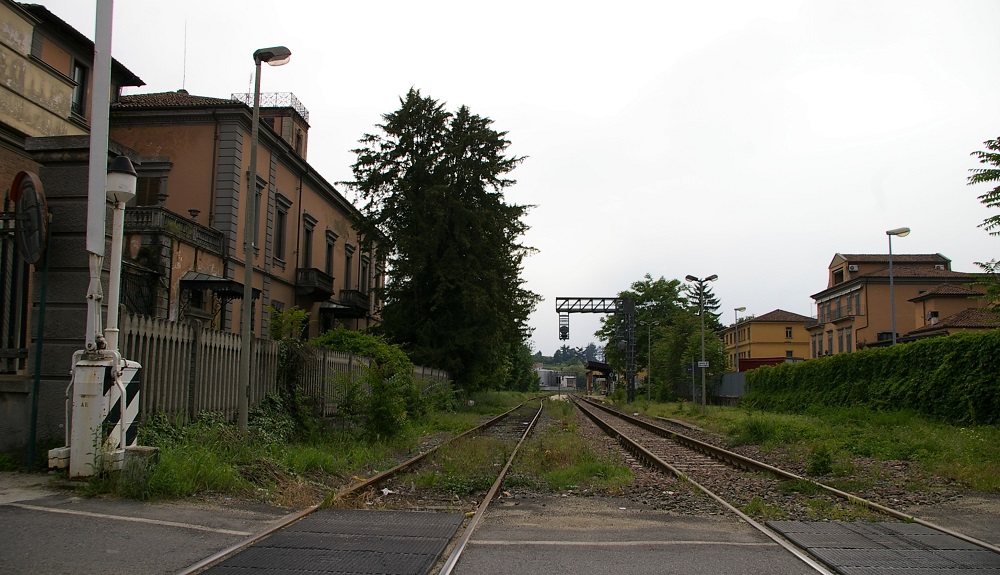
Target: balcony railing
158 220
356 301
313 283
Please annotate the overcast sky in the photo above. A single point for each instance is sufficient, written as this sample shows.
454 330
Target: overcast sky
752 140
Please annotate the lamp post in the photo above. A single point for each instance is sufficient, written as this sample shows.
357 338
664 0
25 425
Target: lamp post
120 188
736 335
649 359
275 56
701 313
901 232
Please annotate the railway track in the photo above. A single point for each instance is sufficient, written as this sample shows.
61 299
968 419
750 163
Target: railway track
510 429
759 493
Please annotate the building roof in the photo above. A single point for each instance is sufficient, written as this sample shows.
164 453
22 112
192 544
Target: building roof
179 99
781 316
947 291
910 271
983 318
896 258
127 77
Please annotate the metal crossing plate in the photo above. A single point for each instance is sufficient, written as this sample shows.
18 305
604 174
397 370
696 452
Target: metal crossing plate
347 541
869 548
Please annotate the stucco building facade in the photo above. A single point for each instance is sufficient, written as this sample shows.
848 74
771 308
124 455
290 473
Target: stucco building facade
855 310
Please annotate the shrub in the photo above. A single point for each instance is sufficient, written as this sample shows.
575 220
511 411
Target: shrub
951 378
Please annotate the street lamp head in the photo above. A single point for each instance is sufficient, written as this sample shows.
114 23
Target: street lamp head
901 232
712 278
121 180
739 309
276 56
691 278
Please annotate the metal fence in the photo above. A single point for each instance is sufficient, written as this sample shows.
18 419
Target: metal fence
187 369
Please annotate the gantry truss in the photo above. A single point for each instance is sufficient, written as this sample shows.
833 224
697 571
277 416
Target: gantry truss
613 305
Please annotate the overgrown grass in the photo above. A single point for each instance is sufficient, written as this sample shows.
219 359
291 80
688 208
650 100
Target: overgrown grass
467 466
829 439
277 459
557 458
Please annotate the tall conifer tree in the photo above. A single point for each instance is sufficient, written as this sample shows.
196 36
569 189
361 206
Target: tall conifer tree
433 185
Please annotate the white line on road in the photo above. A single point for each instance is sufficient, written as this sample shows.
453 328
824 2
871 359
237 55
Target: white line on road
132 519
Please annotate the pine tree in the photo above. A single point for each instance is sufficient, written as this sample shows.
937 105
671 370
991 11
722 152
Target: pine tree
433 186
711 305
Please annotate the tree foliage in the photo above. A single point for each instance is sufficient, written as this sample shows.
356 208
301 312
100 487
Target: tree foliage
454 297
990 199
671 334
693 294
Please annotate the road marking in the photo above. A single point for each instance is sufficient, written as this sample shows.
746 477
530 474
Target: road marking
620 543
132 519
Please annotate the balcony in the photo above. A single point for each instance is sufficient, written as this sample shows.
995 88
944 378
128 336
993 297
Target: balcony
313 283
354 303
156 220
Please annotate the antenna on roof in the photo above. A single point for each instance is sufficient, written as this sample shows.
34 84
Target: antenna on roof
185 66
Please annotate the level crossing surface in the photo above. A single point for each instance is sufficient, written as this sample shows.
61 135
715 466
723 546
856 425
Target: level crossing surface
52 531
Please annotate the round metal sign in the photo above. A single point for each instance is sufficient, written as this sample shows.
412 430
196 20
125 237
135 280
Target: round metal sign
31 221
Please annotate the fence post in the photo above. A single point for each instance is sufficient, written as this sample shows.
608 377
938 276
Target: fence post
196 327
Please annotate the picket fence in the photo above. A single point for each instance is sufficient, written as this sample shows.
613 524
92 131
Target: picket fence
187 369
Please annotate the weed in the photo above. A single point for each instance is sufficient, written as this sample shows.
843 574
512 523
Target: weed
820 461
760 510
800 486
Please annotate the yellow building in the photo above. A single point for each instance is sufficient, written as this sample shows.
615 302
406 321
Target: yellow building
772 338
855 310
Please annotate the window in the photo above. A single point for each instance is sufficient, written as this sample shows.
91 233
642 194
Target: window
850 304
307 248
79 102
280 223
789 354
365 267
281 206
829 342
147 191
819 344
348 263
840 340
331 241
308 225
847 338
788 333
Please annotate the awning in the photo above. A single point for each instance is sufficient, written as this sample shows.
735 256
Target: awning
222 287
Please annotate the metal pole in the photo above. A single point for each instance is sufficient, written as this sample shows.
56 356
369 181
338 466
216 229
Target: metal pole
892 294
246 344
901 232
649 363
98 167
701 312
736 335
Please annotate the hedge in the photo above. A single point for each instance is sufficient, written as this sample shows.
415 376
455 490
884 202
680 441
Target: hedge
954 378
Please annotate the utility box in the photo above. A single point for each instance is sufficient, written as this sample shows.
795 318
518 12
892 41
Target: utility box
101 403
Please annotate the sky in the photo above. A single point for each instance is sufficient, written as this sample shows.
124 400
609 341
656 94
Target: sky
751 140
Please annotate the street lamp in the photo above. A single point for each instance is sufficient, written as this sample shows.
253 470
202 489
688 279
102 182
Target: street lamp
901 232
649 359
701 313
736 335
120 188
275 56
